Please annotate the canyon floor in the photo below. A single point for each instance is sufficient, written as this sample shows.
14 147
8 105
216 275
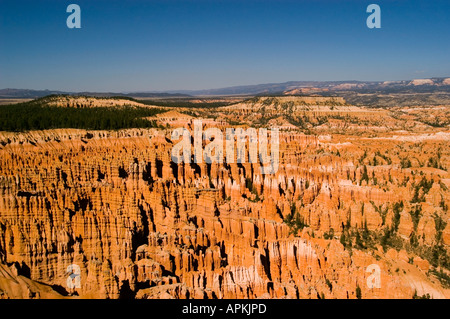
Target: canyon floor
360 192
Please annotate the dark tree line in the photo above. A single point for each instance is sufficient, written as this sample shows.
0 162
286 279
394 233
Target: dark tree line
37 115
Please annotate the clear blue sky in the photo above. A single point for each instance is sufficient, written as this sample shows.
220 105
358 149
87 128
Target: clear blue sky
168 45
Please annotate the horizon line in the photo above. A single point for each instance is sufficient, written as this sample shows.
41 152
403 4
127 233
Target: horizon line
224 87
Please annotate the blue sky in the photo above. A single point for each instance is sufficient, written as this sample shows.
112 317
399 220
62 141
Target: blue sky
200 44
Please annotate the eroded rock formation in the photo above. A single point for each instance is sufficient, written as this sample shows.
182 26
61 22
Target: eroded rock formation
139 225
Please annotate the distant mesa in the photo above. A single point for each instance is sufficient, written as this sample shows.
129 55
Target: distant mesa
422 82
288 103
288 88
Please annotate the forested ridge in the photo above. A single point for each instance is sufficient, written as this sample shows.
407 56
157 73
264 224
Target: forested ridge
38 115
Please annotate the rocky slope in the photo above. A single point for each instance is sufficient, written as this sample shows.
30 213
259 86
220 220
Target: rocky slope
138 225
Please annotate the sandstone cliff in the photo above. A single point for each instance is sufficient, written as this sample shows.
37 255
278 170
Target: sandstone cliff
138 225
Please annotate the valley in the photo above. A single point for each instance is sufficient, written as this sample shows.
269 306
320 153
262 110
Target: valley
356 186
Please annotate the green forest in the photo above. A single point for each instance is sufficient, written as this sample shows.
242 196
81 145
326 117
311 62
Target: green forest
38 115
184 103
